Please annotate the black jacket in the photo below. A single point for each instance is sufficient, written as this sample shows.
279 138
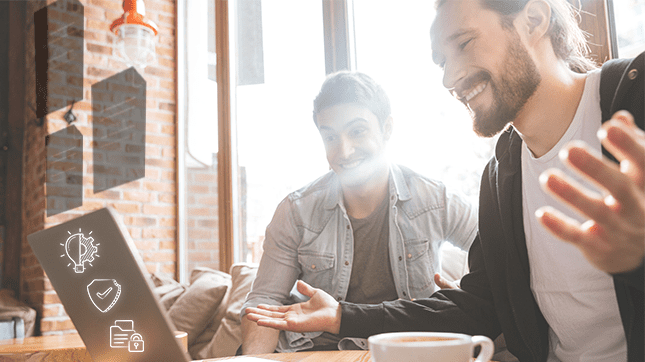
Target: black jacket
495 297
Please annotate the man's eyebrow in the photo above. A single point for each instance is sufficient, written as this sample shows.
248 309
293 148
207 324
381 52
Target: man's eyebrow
325 128
436 55
460 33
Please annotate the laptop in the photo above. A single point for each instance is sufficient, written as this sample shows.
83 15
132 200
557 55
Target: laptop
100 279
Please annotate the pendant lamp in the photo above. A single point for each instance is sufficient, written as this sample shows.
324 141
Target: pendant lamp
135 35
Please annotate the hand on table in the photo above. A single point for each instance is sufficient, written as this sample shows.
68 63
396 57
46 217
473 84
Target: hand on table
320 313
613 239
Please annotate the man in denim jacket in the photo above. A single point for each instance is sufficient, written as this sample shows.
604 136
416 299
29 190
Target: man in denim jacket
366 232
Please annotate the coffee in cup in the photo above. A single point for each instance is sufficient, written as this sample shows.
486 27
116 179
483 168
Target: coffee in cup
428 347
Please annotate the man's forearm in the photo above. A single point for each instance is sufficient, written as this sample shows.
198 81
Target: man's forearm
256 339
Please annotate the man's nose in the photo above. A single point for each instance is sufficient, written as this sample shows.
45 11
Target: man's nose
346 147
452 74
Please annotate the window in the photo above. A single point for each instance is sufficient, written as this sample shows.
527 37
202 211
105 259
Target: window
629 17
280 51
279 149
197 135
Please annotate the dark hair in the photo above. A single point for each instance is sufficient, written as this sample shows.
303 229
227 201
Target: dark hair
568 40
353 87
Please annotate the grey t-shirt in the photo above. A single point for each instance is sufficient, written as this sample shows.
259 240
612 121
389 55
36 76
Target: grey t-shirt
371 281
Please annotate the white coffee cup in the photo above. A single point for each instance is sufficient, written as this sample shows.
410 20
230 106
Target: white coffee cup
428 346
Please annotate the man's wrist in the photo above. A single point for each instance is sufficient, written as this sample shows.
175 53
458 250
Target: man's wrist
335 328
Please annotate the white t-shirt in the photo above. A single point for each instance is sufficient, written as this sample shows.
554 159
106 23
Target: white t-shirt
577 300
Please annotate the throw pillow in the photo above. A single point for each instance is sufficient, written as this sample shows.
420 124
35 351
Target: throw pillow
194 309
167 289
228 337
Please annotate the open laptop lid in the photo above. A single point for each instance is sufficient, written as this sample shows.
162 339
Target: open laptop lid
99 277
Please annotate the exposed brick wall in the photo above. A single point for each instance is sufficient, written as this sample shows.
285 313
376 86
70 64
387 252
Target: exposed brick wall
148 204
202 220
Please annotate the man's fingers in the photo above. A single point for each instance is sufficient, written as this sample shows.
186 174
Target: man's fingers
576 196
272 323
260 313
601 172
306 289
275 308
627 143
560 225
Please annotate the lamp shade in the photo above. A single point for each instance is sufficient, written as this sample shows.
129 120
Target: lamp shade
135 35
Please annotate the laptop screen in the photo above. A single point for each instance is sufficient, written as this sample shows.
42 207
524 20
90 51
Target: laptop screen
99 277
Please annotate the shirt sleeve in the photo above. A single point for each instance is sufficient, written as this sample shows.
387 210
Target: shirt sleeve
459 221
279 268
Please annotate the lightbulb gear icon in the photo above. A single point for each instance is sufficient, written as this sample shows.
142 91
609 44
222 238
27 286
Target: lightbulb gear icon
80 250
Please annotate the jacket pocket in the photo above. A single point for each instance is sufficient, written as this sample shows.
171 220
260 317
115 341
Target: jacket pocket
317 269
419 260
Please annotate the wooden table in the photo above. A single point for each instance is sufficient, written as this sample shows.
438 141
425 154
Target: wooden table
330 356
65 347
70 347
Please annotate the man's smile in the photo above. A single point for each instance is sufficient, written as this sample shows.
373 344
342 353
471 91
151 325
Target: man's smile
476 91
350 164
472 86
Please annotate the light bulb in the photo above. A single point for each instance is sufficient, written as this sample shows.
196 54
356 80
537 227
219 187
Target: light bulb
79 250
136 45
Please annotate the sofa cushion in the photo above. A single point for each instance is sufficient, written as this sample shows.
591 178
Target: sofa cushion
228 336
209 332
169 293
167 289
207 335
195 308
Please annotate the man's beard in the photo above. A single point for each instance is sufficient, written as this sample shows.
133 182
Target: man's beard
519 78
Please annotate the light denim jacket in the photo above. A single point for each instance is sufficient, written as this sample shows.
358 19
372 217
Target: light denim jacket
310 238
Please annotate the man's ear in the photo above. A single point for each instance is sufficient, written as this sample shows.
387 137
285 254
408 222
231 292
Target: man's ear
536 19
387 128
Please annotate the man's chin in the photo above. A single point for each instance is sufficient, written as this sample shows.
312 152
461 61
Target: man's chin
353 180
487 126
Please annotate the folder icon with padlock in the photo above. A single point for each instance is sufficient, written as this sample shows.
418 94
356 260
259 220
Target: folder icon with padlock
136 343
120 333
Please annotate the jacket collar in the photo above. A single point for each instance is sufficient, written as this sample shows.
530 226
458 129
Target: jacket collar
398 187
506 149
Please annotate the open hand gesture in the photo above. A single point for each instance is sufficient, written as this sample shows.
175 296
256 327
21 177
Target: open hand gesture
613 239
320 313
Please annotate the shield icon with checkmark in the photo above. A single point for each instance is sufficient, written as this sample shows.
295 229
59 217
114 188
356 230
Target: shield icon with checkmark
104 293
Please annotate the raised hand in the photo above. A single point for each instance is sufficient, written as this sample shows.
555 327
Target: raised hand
613 239
320 313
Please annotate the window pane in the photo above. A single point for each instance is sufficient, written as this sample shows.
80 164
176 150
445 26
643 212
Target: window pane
279 149
630 27
201 137
432 130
